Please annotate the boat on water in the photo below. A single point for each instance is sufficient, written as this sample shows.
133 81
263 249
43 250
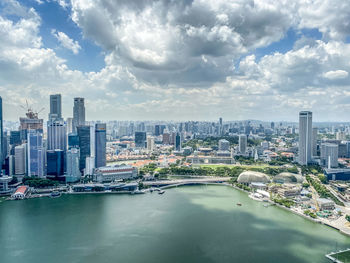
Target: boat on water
239 204
55 194
161 192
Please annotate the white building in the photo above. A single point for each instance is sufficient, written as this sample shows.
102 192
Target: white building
114 173
329 155
20 159
224 145
150 144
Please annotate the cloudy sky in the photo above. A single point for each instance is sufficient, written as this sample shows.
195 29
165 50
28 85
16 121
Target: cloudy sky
178 59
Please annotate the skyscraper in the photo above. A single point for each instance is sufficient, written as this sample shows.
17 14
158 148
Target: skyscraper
20 160
55 164
56 135
100 145
242 141
78 113
178 142
305 137
1 135
84 144
73 173
140 139
36 157
150 143
55 107
329 155
314 141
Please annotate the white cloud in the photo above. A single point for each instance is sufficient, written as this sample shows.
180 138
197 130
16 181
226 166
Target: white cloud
66 41
336 74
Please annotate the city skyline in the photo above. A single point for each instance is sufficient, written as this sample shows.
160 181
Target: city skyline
197 60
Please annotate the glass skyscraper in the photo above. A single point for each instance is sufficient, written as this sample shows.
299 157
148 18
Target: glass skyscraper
100 145
78 113
36 158
1 136
84 144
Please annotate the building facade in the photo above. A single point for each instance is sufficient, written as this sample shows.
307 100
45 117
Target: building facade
78 113
100 144
305 137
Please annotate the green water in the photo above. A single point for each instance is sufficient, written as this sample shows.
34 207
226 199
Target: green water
187 224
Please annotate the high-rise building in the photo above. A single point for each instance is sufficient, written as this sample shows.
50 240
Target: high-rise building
314 141
305 137
1 134
224 145
36 154
55 164
329 155
150 143
73 140
56 135
15 138
100 144
159 129
84 144
242 143
140 139
178 142
89 165
166 138
69 125
20 159
340 136
73 173
55 107
78 113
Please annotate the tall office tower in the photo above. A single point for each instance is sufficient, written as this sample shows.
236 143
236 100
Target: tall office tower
166 138
140 139
73 140
150 143
1 134
178 142
36 154
11 161
220 126
69 125
272 125
224 145
84 144
92 141
15 138
100 144
78 113
305 137
20 160
55 164
329 155
314 141
73 173
55 107
159 130
242 143
5 146
89 165
56 135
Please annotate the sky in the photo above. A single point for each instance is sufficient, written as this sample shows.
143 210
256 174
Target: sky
177 59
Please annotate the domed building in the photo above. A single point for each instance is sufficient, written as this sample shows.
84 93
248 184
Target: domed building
288 178
248 177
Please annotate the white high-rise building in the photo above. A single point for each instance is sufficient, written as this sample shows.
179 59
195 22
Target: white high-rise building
329 155
89 165
20 160
56 135
242 143
305 137
150 143
73 173
340 136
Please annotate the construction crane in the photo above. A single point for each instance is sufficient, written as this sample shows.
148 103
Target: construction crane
30 113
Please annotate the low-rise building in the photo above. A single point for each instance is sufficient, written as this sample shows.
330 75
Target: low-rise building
288 192
325 204
114 173
4 184
21 192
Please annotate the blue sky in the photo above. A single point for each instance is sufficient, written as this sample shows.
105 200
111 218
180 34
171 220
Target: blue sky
181 60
